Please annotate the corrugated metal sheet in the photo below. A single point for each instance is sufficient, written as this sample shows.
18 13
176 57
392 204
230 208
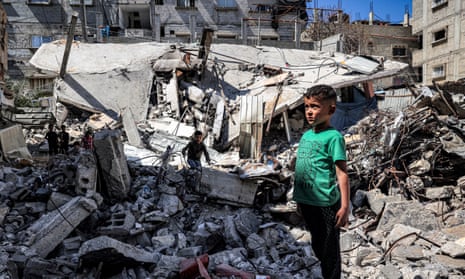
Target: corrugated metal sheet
396 100
251 131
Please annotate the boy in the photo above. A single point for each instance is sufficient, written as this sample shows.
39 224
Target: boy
321 187
64 140
194 149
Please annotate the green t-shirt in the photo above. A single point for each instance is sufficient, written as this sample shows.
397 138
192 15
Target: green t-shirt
315 169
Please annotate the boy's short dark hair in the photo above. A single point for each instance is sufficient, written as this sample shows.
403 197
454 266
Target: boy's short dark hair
321 92
197 133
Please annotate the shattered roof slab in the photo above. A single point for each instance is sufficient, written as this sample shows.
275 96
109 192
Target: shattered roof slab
308 68
103 77
124 72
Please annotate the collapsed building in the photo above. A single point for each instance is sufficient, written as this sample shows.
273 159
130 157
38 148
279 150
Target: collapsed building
131 210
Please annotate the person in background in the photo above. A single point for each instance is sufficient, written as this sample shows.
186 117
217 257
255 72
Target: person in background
52 139
87 141
63 137
321 186
75 148
270 160
195 148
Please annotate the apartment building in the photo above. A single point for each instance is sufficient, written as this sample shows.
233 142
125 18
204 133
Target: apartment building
33 22
439 24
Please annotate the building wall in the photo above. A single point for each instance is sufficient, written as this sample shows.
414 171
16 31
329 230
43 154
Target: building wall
429 20
29 23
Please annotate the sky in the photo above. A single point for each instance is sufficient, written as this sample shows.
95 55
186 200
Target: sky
385 10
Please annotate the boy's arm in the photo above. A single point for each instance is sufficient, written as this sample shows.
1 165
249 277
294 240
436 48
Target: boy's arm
205 151
342 216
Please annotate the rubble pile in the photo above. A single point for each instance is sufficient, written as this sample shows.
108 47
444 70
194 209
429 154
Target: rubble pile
62 221
407 183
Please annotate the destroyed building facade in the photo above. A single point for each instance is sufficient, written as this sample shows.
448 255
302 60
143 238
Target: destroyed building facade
436 24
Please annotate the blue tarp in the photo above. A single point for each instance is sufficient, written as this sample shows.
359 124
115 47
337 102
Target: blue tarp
348 114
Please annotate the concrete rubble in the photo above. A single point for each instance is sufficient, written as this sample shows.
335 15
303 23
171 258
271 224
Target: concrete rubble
131 208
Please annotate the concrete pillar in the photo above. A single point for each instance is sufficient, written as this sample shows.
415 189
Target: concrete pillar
192 25
244 31
155 22
98 25
298 31
370 18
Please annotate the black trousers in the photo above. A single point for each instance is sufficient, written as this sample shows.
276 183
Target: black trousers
321 222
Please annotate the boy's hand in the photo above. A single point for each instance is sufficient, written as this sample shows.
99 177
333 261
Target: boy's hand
342 217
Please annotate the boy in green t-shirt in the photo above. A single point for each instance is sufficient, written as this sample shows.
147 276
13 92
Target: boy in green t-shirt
321 187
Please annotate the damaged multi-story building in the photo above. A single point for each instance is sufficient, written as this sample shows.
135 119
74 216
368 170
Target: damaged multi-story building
33 22
439 27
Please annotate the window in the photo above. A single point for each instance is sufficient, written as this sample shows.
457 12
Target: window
78 2
40 2
158 2
37 41
226 3
439 72
439 36
185 3
261 8
399 51
437 4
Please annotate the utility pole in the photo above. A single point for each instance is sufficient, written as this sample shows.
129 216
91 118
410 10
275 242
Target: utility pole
84 20
69 42
3 45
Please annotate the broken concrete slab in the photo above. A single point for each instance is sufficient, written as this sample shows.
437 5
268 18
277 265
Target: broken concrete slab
114 252
130 128
13 144
86 172
409 213
52 228
227 187
114 168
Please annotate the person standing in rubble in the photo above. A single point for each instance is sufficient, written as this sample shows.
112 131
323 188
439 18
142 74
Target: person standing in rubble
63 136
194 149
87 141
321 186
52 139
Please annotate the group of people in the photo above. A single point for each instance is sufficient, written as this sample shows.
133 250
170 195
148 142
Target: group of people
58 143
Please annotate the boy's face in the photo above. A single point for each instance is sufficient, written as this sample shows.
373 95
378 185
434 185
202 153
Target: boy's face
198 138
318 112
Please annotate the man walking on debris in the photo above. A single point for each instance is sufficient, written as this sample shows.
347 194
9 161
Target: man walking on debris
320 168
194 149
52 139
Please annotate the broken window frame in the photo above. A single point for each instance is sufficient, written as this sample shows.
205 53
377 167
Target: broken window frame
437 38
38 40
438 4
226 5
399 51
261 8
438 72
185 4
39 2
78 2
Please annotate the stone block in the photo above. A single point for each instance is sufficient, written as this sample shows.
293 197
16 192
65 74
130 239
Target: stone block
51 229
112 160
